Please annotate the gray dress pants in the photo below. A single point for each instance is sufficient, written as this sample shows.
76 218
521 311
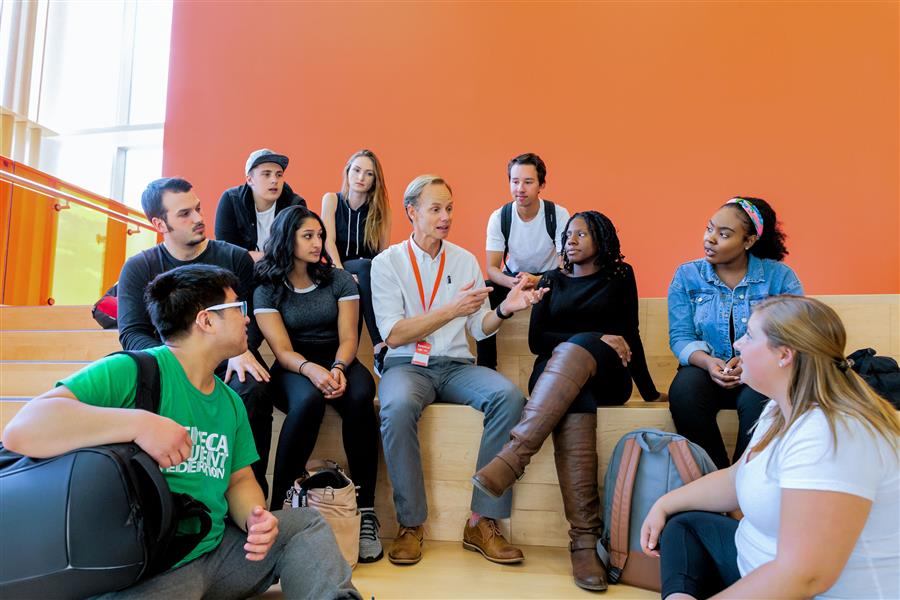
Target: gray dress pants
404 392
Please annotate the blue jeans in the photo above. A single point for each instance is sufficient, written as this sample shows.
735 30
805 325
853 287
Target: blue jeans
406 390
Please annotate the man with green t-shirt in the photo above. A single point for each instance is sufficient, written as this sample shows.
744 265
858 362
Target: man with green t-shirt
202 441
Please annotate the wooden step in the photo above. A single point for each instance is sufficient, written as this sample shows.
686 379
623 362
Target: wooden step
47 317
31 378
58 345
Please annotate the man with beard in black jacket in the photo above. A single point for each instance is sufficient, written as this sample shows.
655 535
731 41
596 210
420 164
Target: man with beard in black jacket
246 212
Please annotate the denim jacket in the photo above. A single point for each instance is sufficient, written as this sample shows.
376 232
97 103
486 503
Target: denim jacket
700 304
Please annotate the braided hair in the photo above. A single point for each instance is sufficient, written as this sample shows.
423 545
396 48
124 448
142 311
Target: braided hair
771 243
609 254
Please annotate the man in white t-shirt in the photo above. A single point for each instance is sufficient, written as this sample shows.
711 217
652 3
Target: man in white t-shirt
245 213
525 247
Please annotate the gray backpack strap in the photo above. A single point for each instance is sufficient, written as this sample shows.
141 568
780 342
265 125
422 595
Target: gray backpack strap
621 507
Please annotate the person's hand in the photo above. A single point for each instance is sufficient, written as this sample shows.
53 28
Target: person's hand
262 530
520 297
323 380
618 343
734 367
244 364
167 442
338 374
716 369
652 528
469 299
530 280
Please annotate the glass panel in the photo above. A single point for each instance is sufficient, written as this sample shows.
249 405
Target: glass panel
139 241
80 248
150 69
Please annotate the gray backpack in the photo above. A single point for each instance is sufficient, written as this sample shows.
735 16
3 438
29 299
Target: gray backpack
645 464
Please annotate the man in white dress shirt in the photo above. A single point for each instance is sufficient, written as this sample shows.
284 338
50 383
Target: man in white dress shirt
427 292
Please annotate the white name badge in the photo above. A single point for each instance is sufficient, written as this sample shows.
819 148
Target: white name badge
423 353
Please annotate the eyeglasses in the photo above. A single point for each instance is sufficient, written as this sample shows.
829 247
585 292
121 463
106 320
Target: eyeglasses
579 234
242 305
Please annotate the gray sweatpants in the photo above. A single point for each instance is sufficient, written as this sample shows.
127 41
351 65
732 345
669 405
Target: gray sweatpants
305 557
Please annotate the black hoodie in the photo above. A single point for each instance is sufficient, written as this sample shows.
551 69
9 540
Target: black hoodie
236 214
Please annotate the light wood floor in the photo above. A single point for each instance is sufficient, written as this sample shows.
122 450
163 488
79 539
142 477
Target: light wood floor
449 572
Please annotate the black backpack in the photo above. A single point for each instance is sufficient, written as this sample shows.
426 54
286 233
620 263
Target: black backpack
506 225
106 310
92 520
881 373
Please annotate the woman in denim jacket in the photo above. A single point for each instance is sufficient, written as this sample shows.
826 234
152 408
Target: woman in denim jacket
710 300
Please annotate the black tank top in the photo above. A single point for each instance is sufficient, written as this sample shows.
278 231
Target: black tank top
350 226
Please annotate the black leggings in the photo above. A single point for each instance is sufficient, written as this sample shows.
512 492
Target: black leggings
610 386
697 554
487 348
305 408
258 400
362 268
695 399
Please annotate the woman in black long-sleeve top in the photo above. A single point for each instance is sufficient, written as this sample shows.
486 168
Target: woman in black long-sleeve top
585 335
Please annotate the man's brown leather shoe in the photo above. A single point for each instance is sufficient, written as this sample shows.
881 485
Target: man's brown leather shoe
485 537
407 548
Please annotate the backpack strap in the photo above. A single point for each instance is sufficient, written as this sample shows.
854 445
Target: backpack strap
505 228
550 221
621 508
148 391
684 461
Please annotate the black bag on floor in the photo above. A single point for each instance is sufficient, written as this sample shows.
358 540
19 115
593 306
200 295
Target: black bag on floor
106 310
881 373
92 520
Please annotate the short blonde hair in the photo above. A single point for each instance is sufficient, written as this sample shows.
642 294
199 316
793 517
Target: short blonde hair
415 187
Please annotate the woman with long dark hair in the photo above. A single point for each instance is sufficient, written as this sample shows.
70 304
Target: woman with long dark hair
586 337
817 485
358 225
308 312
709 303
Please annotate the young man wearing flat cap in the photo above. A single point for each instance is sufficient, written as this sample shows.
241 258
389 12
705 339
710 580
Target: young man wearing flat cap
246 212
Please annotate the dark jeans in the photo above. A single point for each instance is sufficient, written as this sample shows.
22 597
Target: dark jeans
697 554
305 408
487 348
362 268
695 399
257 397
610 386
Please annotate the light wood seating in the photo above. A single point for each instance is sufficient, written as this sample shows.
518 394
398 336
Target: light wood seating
33 360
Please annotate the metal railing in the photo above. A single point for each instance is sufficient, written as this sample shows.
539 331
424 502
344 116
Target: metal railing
61 243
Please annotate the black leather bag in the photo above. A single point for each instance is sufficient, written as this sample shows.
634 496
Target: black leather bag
881 373
92 520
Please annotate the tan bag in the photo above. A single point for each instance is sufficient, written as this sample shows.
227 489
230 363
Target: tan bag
325 487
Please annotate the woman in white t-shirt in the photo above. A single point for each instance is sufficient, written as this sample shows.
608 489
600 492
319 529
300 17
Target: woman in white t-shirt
819 484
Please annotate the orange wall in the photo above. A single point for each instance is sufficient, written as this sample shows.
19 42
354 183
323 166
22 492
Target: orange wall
652 113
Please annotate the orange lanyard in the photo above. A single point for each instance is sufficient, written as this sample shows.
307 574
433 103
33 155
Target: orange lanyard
437 280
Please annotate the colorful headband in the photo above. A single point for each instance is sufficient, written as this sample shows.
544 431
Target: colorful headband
752 212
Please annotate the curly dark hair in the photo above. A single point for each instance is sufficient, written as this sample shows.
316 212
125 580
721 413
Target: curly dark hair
609 254
771 243
278 261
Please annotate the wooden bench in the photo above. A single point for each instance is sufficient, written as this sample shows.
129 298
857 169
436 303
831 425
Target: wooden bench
40 345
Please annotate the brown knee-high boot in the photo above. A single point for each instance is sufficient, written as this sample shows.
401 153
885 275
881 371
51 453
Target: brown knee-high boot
569 368
575 445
